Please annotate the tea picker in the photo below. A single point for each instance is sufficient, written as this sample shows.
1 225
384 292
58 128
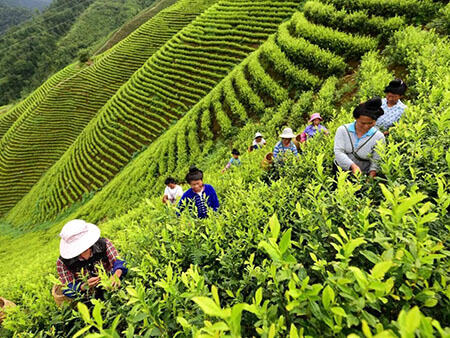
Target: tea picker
285 146
258 142
82 250
200 196
313 128
392 106
172 192
234 161
354 143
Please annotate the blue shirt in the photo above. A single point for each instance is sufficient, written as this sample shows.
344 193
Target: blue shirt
391 114
351 128
207 198
280 149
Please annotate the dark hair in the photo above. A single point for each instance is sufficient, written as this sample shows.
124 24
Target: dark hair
194 174
371 108
396 86
170 180
235 152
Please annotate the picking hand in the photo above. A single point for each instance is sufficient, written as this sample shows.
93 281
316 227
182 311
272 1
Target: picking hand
355 169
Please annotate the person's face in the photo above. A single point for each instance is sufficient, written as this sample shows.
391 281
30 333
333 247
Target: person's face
316 122
258 139
392 99
172 185
86 254
235 156
364 123
197 185
286 141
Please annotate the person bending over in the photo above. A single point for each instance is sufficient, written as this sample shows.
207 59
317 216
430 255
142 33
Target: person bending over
354 143
81 251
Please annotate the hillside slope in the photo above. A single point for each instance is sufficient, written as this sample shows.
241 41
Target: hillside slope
46 127
181 73
38 48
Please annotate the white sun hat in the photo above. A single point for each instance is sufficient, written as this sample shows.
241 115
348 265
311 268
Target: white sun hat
258 134
287 133
76 237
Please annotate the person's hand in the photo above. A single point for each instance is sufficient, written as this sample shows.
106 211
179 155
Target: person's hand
372 173
115 279
386 133
355 169
91 282
223 170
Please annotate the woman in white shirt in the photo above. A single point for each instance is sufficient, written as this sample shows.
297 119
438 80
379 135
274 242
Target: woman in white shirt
172 192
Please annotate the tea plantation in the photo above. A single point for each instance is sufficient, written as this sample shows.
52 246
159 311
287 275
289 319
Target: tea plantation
307 254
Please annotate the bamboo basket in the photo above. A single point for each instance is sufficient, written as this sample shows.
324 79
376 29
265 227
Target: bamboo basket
267 161
58 296
4 303
297 141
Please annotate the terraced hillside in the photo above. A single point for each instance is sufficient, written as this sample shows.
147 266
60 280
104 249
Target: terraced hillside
302 255
39 130
295 60
174 79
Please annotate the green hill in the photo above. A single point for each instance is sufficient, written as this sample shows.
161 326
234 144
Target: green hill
11 16
31 4
66 105
160 92
33 51
303 255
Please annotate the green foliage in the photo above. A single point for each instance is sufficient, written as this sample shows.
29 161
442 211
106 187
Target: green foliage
372 77
345 44
415 11
442 22
167 85
355 21
56 36
11 16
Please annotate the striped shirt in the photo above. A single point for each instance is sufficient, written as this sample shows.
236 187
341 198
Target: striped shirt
280 149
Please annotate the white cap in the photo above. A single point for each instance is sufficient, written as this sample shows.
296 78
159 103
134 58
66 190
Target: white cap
258 134
76 237
287 133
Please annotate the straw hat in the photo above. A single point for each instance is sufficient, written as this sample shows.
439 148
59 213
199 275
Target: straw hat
76 237
287 133
258 134
315 116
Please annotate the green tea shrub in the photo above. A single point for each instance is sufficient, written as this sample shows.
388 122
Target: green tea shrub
413 10
344 44
355 21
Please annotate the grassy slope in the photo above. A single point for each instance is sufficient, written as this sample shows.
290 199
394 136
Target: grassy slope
144 106
45 129
133 24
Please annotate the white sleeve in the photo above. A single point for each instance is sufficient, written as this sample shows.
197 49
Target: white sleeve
179 192
167 191
340 140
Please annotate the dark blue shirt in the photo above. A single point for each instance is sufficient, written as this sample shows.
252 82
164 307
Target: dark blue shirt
207 198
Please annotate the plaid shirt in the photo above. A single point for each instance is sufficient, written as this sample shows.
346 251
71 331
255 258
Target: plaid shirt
391 114
66 277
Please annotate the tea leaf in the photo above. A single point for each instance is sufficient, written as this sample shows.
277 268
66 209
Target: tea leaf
380 269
